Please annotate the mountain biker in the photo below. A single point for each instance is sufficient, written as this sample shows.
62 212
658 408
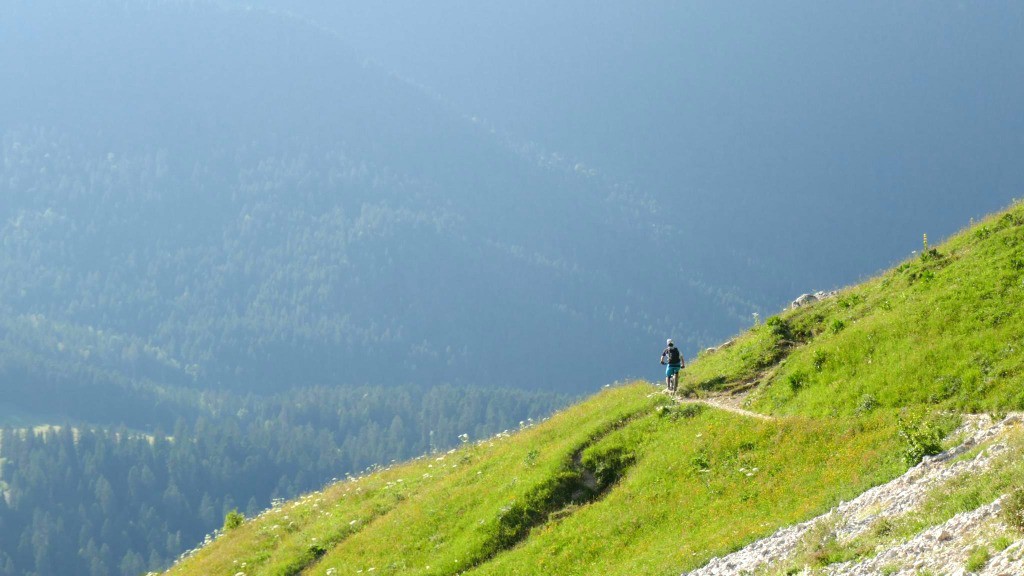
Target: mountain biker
672 358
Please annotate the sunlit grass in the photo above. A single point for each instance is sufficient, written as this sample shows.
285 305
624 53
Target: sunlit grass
956 495
451 526
705 487
944 331
697 485
902 352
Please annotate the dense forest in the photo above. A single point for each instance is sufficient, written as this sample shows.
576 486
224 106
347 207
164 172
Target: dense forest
250 222
129 502
304 268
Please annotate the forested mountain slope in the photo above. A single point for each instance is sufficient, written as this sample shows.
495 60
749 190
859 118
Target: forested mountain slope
799 146
231 198
100 500
858 387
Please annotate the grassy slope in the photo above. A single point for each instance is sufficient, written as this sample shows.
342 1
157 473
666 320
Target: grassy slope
942 332
702 488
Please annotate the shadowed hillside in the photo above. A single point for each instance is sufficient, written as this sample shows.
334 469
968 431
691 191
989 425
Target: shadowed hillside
235 200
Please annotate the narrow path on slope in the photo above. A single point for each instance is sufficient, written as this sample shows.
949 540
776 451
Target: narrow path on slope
727 402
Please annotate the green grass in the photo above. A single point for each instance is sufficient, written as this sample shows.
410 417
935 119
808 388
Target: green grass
944 331
955 496
977 558
419 510
953 341
862 385
684 485
703 487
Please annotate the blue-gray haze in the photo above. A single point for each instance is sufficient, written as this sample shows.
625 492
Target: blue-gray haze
817 139
518 194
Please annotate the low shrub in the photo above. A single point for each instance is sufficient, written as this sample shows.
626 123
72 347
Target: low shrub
701 462
1013 509
821 544
1009 220
1002 543
866 404
931 255
851 300
820 358
779 328
690 411
882 527
797 381
837 326
977 558
233 519
920 438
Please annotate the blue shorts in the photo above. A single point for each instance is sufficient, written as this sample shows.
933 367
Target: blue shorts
671 370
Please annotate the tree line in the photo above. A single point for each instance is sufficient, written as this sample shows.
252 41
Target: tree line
99 501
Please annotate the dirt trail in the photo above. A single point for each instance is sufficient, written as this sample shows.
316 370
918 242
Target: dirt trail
728 402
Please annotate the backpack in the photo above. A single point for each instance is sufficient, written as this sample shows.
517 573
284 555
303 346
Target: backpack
673 355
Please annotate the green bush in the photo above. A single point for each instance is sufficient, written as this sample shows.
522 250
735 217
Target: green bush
531 458
821 546
233 520
882 527
781 338
977 558
1013 509
1002 543
701 462
866 404
779 328
690 411
931 255
920 438
820 358
851 300
797 381
1009 220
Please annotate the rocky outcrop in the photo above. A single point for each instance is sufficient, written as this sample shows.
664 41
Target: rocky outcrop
803 300
940 549
808 299
721 346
